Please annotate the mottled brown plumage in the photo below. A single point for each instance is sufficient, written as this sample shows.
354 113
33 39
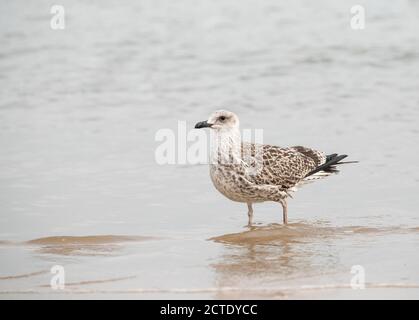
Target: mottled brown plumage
285 167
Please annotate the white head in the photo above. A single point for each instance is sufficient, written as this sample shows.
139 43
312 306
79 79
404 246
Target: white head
226 140
220 120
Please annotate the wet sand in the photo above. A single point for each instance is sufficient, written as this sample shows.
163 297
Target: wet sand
80 187
263 262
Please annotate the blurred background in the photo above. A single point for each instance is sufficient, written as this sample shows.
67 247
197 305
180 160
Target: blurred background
79 109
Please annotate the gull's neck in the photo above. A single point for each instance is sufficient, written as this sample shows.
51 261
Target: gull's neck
226 146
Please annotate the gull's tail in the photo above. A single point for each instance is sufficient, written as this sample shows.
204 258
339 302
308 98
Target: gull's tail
329 167
326 169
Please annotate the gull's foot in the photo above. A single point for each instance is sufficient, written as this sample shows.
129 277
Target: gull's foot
253 225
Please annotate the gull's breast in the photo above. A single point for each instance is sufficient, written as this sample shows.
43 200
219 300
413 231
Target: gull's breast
227 182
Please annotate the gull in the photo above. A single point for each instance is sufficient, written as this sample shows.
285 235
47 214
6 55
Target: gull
252 173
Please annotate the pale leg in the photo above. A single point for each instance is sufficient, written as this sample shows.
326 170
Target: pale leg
284 210
250 213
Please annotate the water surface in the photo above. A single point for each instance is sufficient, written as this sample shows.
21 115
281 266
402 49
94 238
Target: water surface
80 188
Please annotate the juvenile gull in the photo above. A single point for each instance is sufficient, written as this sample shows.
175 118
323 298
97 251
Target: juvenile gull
250 173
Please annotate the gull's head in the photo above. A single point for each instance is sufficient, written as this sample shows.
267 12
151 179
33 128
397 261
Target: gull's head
220 120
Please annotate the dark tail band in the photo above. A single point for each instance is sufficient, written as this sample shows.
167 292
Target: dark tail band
330 165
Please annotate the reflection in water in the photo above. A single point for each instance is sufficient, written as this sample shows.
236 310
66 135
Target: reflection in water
271 255
274 252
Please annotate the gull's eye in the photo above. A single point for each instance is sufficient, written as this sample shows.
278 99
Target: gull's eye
222 118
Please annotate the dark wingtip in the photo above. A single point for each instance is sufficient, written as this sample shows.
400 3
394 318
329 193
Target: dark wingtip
329 165
341 157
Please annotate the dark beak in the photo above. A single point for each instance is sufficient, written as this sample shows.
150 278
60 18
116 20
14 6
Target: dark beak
203 124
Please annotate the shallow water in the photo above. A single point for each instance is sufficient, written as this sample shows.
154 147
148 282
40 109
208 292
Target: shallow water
80 187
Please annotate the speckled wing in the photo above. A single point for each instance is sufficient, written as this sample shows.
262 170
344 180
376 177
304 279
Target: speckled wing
318 157
283 167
